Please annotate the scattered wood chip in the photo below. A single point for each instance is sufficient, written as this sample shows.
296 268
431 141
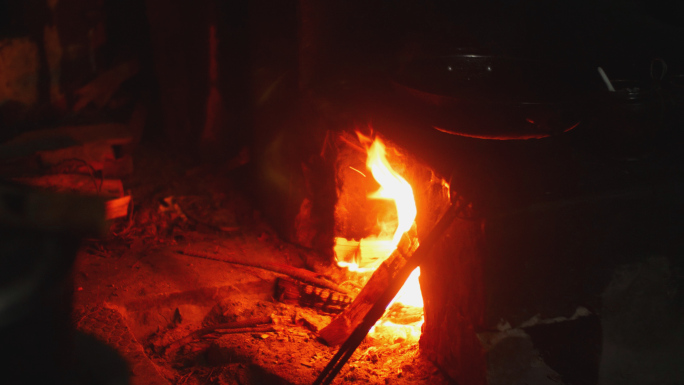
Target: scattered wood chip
117 208
306 324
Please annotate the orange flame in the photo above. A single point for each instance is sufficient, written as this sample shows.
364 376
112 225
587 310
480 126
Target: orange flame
392 187
374 250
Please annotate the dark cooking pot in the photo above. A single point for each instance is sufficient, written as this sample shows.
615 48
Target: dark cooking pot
494 97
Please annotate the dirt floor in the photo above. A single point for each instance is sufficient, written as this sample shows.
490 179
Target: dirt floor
136 293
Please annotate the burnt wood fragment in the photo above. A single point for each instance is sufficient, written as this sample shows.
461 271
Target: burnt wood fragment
325 300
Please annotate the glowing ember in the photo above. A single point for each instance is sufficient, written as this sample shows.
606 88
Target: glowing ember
368 253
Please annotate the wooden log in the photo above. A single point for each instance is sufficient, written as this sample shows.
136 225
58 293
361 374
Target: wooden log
451 282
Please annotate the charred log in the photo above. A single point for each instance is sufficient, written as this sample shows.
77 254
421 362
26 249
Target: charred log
325 300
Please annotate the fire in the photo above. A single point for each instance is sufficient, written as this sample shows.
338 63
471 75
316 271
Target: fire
410 294
370 252
392 187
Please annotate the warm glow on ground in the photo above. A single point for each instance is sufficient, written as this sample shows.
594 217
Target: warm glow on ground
368 253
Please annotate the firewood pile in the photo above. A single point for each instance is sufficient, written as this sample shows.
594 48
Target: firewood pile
86 160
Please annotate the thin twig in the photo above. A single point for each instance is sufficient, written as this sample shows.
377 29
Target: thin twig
237 327
184 379
353 145
296 273
256 329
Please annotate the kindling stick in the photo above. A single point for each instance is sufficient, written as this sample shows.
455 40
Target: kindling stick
248 325
349 346
299 274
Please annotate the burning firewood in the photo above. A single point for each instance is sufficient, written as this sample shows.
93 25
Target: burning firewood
387 285
344 324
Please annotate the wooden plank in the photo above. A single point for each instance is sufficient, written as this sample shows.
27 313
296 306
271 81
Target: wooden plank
95 154
113 133
57 138
11 150
117 208
75 183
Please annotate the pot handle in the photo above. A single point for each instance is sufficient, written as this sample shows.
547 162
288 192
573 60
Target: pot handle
658 69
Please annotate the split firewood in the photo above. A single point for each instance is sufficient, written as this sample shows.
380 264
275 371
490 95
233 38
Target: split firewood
344 324
325 300
293 272
246 326
390 290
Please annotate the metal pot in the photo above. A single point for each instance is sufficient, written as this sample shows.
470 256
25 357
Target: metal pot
494 97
